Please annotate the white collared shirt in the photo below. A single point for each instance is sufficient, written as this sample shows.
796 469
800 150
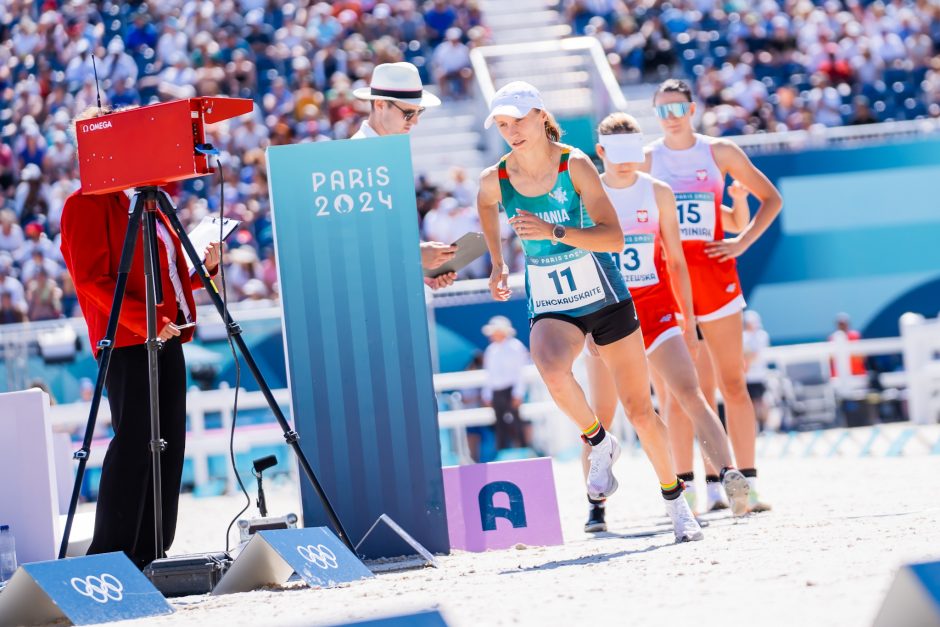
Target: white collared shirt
365 131
170 246
503 363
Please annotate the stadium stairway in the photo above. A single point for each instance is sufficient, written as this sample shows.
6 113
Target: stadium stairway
448 136
452 134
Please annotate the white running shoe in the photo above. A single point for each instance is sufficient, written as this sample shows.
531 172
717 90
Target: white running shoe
714 497
601 482
689 494
737 488
755 505
683 522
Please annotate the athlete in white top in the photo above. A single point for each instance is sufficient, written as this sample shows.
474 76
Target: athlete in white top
653 265
695 167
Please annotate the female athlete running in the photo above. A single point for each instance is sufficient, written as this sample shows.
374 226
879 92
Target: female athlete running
557 205
653 266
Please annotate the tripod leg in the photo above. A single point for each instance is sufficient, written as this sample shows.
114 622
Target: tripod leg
235 331
106 345
153 346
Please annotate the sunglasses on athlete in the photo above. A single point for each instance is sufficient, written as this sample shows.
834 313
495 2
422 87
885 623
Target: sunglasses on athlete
408 114
674 109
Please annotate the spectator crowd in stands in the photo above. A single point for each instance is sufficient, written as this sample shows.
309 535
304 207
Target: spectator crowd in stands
777 65
299 61
766 65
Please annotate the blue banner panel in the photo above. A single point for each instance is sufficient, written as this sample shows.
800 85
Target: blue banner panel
857 234
356 337
317 556
98 588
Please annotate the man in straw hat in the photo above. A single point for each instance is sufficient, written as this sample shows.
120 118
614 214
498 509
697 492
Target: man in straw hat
397 100
503 362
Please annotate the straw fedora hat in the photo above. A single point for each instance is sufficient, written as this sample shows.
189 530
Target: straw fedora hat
397 81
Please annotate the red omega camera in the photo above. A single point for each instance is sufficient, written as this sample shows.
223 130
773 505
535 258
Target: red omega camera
152 145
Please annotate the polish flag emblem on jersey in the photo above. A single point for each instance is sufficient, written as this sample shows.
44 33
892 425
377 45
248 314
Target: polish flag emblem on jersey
701 175
642 215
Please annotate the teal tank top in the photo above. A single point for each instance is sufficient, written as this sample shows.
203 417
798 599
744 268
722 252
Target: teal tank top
560 278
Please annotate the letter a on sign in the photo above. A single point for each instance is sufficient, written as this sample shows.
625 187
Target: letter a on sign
496 506
515 513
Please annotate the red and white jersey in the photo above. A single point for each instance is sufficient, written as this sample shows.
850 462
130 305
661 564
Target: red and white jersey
699 186
642 262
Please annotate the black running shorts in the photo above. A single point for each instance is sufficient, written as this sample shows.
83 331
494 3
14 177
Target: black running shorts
608 325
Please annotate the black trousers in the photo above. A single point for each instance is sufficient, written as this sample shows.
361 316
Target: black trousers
124 520
510 431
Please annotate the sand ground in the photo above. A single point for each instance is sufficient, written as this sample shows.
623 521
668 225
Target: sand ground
825 556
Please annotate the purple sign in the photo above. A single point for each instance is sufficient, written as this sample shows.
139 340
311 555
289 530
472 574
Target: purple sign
499 505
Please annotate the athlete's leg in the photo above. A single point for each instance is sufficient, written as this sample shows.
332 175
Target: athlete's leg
554 345
603 391
724 339
626 360
672 363
681 427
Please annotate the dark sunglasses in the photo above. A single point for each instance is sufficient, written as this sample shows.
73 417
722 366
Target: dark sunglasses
408 114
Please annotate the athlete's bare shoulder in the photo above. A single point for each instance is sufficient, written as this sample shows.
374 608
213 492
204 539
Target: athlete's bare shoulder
580 161
720 145
660 187
489 184
490 172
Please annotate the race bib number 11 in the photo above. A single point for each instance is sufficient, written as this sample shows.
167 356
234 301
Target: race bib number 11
564 282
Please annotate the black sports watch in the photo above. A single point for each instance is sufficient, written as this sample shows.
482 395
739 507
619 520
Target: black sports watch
558 233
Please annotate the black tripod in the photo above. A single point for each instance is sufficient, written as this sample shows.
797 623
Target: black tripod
146 203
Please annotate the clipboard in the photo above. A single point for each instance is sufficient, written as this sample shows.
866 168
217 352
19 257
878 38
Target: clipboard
470 247
207 232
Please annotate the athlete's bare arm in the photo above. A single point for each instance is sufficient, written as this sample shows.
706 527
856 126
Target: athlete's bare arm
675 258
488 199
605 236
736 217
732 160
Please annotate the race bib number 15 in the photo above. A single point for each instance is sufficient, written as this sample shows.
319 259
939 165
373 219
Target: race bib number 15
696 215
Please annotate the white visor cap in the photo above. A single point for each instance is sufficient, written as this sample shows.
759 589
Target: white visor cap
515 99
623 147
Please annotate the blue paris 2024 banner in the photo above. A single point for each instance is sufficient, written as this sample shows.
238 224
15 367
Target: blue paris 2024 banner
356 335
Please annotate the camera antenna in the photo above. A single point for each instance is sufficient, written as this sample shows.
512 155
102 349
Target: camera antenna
94 66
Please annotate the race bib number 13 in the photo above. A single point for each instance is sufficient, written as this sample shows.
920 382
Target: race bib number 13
636 262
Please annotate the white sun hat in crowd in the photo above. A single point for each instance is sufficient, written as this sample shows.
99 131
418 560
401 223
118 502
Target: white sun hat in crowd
500 324
397 81
514 99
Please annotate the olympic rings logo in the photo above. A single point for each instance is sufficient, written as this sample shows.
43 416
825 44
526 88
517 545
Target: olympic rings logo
99 589
318 555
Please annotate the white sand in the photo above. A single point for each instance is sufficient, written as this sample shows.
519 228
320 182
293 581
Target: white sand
825 556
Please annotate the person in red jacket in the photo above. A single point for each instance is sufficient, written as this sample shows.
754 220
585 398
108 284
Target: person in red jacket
93 230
